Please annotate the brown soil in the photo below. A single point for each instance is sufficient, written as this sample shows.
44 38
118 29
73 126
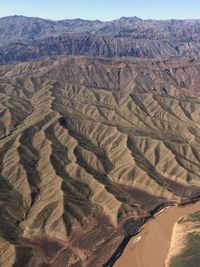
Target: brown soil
150 247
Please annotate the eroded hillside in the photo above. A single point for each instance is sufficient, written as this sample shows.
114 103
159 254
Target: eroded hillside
23 38
89 149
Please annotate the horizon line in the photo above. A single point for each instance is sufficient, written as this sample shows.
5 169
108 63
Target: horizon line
101 20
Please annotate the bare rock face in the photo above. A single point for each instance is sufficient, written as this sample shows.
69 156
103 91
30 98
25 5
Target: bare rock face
174 77
23 38
89 149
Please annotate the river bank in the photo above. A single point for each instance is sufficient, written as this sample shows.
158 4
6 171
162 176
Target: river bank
150 247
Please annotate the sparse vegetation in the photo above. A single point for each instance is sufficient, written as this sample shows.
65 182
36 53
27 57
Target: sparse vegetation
78 157
190 254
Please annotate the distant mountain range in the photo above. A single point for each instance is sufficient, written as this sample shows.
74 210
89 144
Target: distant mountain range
23 38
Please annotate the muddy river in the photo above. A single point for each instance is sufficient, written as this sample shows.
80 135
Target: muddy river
150 247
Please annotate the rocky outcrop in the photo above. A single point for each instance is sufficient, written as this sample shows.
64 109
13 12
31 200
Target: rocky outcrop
23 39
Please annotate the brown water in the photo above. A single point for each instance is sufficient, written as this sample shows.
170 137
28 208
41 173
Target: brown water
150 247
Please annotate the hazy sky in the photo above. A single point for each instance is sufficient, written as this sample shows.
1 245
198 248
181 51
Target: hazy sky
101 9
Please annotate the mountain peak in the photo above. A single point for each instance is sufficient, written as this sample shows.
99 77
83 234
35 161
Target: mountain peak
130 19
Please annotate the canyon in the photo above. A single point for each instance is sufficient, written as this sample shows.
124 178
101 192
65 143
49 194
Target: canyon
99 132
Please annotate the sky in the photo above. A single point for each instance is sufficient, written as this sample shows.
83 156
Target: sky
102 9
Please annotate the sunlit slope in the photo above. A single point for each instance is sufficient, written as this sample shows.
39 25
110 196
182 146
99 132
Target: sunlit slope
80 164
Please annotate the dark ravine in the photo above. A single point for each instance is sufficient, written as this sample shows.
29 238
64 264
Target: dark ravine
118 252
152 245
107 147
132 231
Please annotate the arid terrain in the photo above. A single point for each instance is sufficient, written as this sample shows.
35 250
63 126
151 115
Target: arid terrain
23 38
89 150
99 132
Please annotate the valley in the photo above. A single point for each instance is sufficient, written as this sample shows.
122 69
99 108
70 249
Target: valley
90 149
